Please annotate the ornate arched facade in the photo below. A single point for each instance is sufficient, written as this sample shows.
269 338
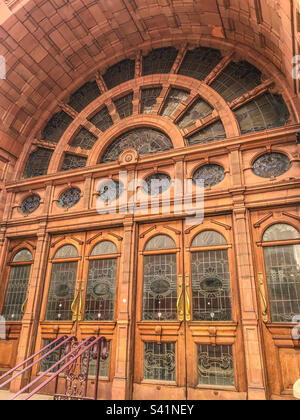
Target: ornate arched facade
99 158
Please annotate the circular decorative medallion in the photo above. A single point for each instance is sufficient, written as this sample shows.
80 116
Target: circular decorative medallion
271 165
70 198
101 290
210 174
157 184
110 191
30 204
160 286
62 290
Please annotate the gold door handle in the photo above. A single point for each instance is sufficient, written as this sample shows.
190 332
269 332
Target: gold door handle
180 306
24 305
76 306
263 298
187 298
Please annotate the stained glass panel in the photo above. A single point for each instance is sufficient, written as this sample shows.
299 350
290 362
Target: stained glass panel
52 358
84 139
104 365
283 278
104 248
124 106
16 292
30 204
70 198
213 132
208 238
159 361
200 62
23 256
66 251
110 191
210 174
38 162
160 288
119 73
197 111
143 140
102 120
174 99
84 96
157 184
56 127
211 286
62 291
236 80
159 61
148 99
271 165
264 113
215 365
73 162
160 242
100 294
280 232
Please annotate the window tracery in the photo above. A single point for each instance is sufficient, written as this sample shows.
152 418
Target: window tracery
84 96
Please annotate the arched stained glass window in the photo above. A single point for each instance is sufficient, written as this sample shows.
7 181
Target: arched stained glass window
160 242
104 248
16 290
38 162
271 165
197 111
66 251
208 238
124 106
84 139
119 73
174 99
73 162
102 119
148 100
84 96
282 264
213 132
56 127
144 140
159 61
199 63
210 175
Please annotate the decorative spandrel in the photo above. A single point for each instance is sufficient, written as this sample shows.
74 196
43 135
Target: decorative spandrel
84 139
160 362
84 96
236 80
199 63
38 162
70 198
210 175
271 165
100 294
148 100
211 286
215 365
160 288
199 110
174 99
56 127
102 120
31 204
119 73
73 162
144 140
159 61
264 113
213 132
157 184
283 277
124 106
110 191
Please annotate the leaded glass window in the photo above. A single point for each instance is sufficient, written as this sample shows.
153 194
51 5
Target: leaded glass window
282 264
30 204
200 62
174 99
157 184
215 365
160 242
119 73
236 80
148 100
124 106
104 248
73 162
84 139
264 113
280 232
159 61
62 291
160 362
110 191
70 198
208 238
52 358
160 287
144 140
84 96
213 132
211 175
38 162
56 127
102 120
17 286
271 165
66 251
101 287
199 110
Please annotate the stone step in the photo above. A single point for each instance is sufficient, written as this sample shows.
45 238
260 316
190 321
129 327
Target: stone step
6 395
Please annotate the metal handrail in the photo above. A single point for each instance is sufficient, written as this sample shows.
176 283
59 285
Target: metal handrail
85 346
11 371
